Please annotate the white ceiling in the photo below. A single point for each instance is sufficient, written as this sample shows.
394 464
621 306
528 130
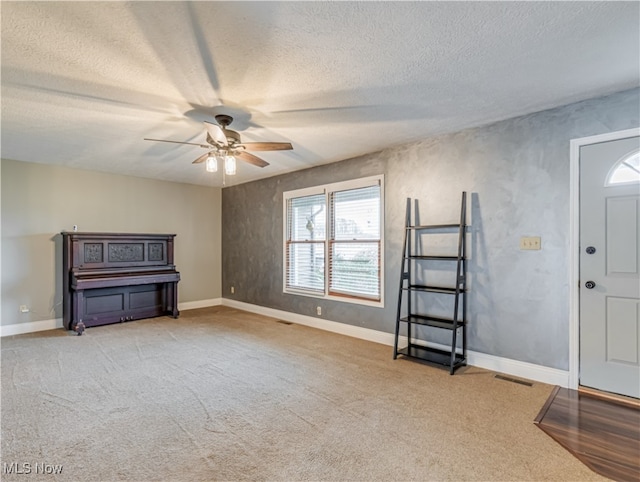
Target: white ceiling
84 82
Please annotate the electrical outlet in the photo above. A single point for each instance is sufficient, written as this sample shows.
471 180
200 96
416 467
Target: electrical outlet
24 309
233 289
319 310
530 243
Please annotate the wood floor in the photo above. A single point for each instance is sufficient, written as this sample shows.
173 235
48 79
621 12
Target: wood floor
604 435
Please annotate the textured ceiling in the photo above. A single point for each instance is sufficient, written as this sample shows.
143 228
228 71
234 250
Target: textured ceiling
84 82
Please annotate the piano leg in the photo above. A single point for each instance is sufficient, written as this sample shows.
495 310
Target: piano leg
172 299
78 309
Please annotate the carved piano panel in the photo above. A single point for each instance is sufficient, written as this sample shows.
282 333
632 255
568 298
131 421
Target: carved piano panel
110 278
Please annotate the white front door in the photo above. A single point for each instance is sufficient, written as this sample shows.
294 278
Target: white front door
610 266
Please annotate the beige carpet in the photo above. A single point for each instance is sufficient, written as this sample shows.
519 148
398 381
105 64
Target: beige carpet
220 394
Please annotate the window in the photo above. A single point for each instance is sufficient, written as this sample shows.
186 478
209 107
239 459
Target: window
306 223
333 241
626 170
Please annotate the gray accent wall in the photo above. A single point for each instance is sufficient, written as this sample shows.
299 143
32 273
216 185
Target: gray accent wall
517 174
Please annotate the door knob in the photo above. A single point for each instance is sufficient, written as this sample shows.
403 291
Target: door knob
589 285
590 250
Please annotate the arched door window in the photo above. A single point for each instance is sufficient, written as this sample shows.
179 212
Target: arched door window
625 171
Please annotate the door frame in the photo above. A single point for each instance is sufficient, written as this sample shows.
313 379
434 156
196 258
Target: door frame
574 243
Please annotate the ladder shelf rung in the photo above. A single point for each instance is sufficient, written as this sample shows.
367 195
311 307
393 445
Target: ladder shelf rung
434 289
435 321
436 258
434 226
432 355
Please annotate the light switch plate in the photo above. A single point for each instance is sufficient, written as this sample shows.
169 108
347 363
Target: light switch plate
530 242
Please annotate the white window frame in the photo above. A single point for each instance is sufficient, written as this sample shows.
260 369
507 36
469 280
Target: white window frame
327 189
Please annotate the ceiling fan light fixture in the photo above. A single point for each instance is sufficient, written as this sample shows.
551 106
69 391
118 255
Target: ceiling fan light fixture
211 163
230 165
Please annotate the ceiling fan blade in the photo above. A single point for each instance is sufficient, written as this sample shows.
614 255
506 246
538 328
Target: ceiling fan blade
178 142
215 131
202 158
267 146
251 159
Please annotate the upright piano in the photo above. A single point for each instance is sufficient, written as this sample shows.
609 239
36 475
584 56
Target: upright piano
115 277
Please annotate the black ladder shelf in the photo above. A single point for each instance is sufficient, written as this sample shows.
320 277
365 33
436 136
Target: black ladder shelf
452 357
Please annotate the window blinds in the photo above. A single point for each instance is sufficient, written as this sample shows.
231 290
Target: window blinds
354 245
306 235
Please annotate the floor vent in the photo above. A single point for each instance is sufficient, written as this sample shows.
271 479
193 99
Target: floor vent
284 322
514 380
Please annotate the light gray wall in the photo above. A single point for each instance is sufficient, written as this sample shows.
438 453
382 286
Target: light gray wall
517 172
39 201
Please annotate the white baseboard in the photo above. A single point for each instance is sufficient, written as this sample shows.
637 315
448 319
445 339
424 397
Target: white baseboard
30 327
530 371
43 325
192 305
320 323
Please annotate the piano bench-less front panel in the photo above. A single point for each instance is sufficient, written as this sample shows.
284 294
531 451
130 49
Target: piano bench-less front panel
112 277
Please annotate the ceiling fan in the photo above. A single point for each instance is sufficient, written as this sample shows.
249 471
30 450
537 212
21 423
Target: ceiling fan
226 145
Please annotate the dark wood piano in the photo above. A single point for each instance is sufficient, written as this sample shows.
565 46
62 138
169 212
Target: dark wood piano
113 277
